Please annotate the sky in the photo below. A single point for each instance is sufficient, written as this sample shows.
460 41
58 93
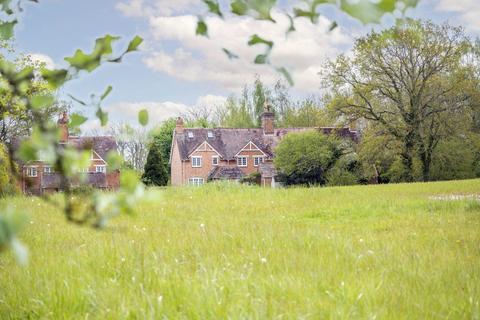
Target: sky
175 70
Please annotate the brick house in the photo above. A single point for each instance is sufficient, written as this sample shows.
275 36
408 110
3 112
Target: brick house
202 154
38 177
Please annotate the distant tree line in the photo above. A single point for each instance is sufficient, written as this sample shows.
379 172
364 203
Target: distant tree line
412 91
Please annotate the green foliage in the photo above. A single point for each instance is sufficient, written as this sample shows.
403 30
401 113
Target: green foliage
455 159
155 172
143 117
7 180
305 157
410 83
251 179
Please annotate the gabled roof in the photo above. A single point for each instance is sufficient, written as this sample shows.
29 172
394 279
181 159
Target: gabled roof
229 141
102 145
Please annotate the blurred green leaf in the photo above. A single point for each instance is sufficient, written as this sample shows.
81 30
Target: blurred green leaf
202 28
143 117
77 120
255 39
42 101
106 93
129 180
102 116
259 9
230 54
213 7
286 75
77 100
114 160
55 78
261 59
134 43
89 62
333 26
239 7
6 29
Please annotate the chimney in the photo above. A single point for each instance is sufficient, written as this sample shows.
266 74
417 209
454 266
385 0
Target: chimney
63 127
179 128
268 119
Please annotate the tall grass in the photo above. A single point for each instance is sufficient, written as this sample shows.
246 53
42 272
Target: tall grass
223 251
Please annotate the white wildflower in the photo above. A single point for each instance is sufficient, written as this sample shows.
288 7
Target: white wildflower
160 299
263 260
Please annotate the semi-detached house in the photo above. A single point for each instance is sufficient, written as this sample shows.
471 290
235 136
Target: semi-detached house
205 154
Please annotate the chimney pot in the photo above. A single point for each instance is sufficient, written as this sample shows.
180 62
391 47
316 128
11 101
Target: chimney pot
179 126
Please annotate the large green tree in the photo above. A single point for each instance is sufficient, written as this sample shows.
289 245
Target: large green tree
411 81
305 157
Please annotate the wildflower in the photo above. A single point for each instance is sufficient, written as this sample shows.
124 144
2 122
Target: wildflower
263 260
160 299
123 259
31 222
342 284
133 279
202 225
361 240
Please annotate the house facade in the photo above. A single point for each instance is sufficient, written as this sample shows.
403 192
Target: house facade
202 154
38 177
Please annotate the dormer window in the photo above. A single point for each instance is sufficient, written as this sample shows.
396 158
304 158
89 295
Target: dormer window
215 160
210 134
190 134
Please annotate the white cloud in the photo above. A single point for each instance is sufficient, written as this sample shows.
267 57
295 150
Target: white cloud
468 11
142 8
200 59
40 57
127 112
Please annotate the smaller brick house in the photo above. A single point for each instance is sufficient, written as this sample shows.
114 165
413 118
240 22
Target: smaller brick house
201 154
38 177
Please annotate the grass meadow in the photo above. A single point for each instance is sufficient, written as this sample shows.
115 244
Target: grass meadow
228 251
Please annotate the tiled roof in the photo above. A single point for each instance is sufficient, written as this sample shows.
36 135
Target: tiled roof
267 170
229 141
229 173
102 145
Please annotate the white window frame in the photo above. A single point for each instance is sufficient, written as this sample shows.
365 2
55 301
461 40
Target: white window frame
210 134
215 160
240 162
84 170
257 160
196 181
101 169
47 169
190 134
32 171
196 164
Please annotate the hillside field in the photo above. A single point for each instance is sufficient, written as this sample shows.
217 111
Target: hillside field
405 251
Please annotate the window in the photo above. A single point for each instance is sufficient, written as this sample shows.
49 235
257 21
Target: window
83 170
31 171
190 134
102 169
47 169
257 160
210 134
195 181
196 162
242 161
215 160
